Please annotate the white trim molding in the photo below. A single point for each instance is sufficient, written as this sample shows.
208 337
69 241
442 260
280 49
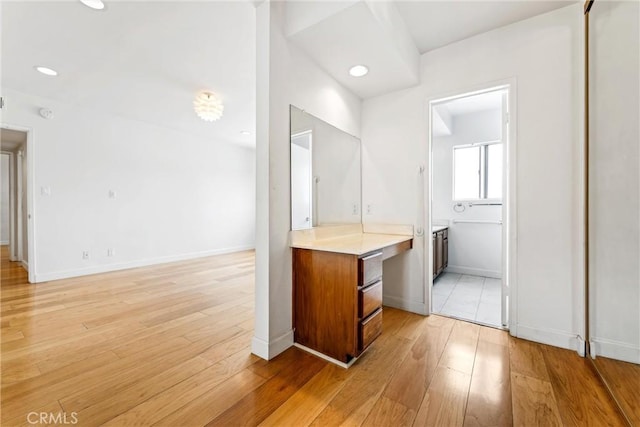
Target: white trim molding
552 337
57 275
325 357
269 350
615 350
473 271
417 307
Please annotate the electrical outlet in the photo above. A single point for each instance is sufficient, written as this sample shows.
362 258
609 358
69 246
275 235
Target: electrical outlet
368 209
85 254
111 252
355 209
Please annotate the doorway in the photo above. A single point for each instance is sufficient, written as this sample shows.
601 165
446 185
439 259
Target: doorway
15 217
470 147
302 192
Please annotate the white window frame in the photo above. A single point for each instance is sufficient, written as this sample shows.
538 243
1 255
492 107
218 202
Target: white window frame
483 174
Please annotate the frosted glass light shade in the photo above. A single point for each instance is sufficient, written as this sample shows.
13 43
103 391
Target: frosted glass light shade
208 106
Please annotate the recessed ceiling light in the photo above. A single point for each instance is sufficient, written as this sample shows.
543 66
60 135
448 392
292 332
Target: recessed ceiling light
245 132
358 70
46 71
93 4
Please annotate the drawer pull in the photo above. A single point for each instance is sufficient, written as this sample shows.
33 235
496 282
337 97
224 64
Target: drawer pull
369 269
368 257
369 299
369 329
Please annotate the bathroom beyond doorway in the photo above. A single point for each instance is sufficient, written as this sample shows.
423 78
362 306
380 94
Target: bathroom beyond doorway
470 150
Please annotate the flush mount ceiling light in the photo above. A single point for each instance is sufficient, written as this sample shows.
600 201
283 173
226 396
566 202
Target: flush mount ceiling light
245 132
358 70
208 106
93 4
46 71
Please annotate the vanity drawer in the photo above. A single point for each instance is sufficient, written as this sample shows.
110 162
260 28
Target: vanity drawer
369 268
369 299
369 329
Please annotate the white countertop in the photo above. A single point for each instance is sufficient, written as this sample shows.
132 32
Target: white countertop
354 244
436 228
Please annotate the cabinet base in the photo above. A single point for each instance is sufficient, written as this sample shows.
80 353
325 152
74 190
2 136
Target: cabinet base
325 357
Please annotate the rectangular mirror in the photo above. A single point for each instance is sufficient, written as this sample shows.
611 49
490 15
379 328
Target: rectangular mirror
325 173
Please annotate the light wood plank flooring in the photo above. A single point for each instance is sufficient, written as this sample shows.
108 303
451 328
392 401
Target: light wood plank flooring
170 345
624 380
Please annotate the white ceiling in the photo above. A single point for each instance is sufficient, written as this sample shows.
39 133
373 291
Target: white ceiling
11 140
434 24
445 112
141 60
147 60
389 36
345 34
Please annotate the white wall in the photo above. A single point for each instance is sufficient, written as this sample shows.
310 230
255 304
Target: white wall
544 55
615 180
284 76
473 248
4 200
178 195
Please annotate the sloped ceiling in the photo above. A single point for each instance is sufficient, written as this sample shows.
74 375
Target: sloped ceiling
359 33
142 60
389 36
434 24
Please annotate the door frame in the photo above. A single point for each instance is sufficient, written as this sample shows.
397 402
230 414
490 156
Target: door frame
13 255
29 147
509 206
312 180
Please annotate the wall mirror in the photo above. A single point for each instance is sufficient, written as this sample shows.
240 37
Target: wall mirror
613 35
325 173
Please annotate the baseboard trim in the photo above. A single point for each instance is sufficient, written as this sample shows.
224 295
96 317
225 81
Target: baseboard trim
473 271
325 357
280 344
417 307
552 337
4 242
269 350
25 265
582 346
98 269
615 350
260 348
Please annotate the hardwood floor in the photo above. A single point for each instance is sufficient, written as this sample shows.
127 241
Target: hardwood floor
624 380
170 345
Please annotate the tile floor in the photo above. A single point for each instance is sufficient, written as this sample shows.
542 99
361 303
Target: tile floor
468 297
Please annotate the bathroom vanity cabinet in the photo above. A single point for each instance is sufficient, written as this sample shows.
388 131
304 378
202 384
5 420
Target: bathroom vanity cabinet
440 243
337 293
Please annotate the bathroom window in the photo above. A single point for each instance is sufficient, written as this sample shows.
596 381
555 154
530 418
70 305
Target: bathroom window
477 171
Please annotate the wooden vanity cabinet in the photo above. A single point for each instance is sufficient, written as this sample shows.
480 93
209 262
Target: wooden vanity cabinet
440 243
337 301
